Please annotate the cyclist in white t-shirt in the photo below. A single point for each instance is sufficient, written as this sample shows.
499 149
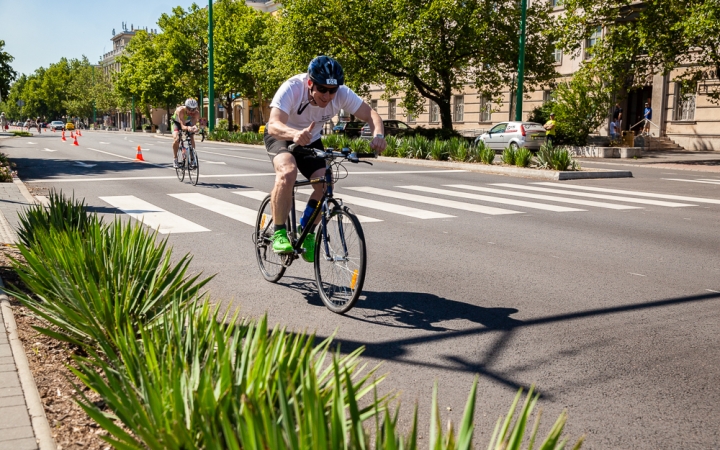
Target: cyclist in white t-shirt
298 111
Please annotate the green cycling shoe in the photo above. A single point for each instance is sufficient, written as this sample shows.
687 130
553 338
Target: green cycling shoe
309 246
281 243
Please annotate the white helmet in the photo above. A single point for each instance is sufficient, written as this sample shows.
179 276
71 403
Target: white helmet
191 103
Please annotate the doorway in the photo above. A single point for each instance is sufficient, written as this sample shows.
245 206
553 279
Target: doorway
636 107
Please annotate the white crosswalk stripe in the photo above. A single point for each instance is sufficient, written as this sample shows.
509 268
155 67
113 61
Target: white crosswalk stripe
487 198
153 216
388 207
227 209
435 201
573 201
639 194
693 181
260 195
590 195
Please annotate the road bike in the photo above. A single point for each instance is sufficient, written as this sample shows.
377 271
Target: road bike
340 255
188 160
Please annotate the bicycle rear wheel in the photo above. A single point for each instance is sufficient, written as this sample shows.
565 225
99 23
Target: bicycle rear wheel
340 261
193 166
180 169
270 263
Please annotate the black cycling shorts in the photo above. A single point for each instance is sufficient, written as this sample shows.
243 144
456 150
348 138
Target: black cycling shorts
306 166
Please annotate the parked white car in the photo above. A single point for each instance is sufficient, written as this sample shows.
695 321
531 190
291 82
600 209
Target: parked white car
57 125
530 135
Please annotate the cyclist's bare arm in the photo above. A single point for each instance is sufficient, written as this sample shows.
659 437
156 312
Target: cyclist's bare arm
369 115
277 128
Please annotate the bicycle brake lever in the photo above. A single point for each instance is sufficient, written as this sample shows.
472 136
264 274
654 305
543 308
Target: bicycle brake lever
366 162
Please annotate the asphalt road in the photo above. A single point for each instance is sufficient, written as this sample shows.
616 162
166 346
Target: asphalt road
612 313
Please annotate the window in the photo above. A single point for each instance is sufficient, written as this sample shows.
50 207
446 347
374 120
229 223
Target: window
411 117
373 104
548 96
685 109
458 108
391 108
434 112
592 41
557 55
555 3
485 109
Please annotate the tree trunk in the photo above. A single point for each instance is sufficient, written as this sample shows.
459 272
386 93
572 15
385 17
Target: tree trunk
228 107
445 113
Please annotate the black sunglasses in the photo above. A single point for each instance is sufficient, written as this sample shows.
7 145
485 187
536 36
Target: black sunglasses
323 89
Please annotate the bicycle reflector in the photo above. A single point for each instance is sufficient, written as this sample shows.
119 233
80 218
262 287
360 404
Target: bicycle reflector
353 281
262 222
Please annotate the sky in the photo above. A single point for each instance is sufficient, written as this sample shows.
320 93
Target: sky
38 33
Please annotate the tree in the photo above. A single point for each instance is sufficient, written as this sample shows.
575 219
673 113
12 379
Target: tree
648 38
428 49
7 74
581 105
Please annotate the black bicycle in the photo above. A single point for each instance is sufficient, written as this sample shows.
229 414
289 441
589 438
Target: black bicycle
188 160
340 242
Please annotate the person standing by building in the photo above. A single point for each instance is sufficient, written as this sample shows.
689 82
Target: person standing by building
647 115
550 129
617 116
613 130
3 122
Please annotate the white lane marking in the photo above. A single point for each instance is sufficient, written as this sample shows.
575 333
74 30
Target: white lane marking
260 195
148 144
212 162
388 207
105 143
710 290
640 194
589 195
692 181
487 198
153 216
436 201
173 177
32 143
233 156
227 209
637 274
125 157
47 150
82 164
395 172
551 198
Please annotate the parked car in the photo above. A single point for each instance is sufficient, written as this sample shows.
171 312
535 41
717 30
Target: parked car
57 125
349 129
392 128
530 135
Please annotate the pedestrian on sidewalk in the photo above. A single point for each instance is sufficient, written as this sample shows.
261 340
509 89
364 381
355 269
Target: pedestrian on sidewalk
617 115
647 115
613 130
550 128
3 122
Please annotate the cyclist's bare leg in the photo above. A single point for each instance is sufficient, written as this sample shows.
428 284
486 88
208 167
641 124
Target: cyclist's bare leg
317 190
281 195
176 142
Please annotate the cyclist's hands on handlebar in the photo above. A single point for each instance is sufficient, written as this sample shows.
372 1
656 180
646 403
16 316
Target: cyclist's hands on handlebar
378 145
304 137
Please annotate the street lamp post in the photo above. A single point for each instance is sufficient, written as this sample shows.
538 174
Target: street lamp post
132 116
521 62
94 92
211 81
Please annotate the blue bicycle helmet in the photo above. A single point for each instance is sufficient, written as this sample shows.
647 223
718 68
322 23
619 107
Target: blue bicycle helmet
325 70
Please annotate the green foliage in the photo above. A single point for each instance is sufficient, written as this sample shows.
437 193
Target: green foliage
419 147
426 50
508 156
485 154
222 125
7 74
523 157
439 150
337 141
552 158
392 145
20 133
174 373
62 214
458 149
581 106
248 137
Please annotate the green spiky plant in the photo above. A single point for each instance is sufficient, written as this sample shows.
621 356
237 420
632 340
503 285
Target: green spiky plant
392 146
458 149
549 157
486 155
61 214
438 150
523 157
508 156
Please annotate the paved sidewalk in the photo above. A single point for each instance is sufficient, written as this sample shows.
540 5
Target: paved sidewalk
23 424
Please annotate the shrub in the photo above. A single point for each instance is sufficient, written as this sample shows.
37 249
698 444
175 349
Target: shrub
419 147
392 145
508 156
438 150
552 158
222 125
523 156
248 137
485 154
432 133
458 149
63 215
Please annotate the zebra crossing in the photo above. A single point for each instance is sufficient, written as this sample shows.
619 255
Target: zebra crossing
429 202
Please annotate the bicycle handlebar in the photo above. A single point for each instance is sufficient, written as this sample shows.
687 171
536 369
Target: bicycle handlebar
330 153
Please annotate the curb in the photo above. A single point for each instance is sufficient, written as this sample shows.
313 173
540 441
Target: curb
39 421
513 171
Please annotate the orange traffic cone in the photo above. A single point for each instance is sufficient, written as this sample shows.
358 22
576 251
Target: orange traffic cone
53 129
139 156
63 136
72 134
75 142
79 133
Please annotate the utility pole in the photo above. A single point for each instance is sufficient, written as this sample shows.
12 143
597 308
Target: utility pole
201 104
211 81
94 92
521 62
132 116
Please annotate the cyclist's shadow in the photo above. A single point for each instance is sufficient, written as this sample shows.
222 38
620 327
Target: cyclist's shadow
416 310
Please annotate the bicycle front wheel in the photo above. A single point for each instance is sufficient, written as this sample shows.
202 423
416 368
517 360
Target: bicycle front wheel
340 261
270 263
180 169
193 166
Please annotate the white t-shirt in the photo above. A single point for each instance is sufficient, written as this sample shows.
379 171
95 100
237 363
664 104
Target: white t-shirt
292 98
